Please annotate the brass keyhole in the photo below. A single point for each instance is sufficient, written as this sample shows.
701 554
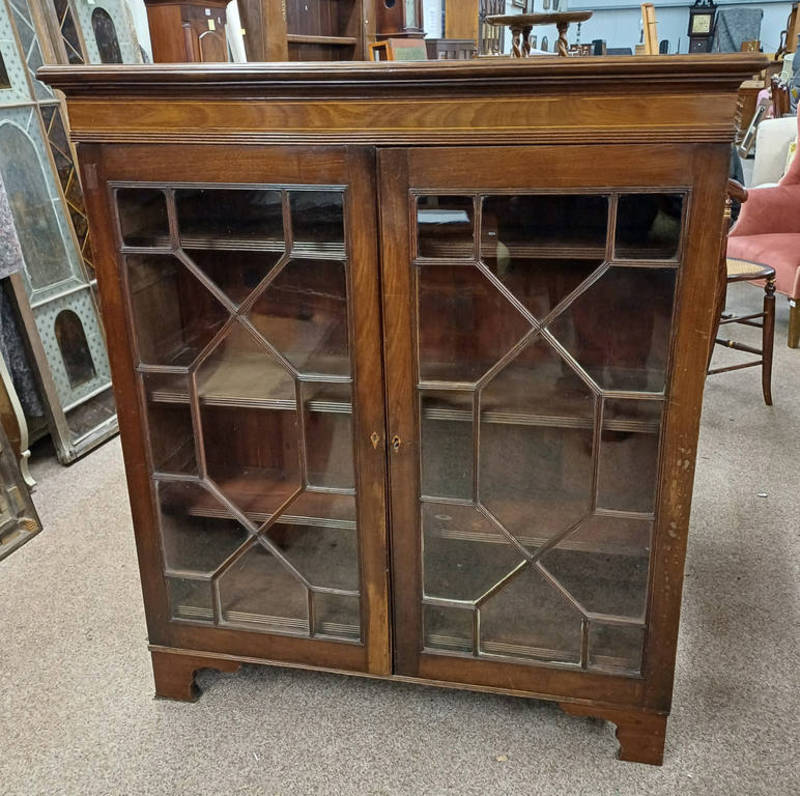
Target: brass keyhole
396 441
374 438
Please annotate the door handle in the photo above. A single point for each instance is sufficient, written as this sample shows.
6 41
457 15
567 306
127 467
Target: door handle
396 443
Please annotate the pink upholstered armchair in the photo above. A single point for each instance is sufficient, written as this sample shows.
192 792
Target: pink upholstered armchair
768 231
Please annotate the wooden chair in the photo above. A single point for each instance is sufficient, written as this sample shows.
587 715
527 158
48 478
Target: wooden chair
736 270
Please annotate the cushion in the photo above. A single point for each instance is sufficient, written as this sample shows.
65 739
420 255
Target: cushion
779 250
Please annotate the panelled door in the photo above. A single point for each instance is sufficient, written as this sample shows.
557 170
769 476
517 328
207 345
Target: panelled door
530 299
242 291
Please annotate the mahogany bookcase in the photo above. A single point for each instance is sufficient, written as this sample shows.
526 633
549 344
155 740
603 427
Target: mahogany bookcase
409 361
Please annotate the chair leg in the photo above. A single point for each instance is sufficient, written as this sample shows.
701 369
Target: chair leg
768 340
794 323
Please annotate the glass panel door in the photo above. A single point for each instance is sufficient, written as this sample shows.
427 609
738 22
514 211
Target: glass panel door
245 301
541 320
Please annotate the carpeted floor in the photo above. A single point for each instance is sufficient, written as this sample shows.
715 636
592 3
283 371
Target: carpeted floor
77 714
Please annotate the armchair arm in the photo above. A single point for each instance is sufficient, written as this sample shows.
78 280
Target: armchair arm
737 191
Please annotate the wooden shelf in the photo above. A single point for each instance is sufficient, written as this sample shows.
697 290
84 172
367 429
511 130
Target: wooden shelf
237 382
258 491
334 41
308 250
555 410
524 419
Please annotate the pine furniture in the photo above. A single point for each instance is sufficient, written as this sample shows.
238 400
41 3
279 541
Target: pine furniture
409 360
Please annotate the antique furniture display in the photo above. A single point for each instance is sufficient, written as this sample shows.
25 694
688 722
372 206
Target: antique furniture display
522 24
743 271
521 412
701 26
188 30
768 231
55 290
296 30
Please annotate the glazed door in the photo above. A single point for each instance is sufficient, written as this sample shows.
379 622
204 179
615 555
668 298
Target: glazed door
243 285
530 302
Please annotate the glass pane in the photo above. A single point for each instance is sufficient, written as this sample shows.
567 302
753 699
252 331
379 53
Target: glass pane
629 455
74 348
528 618
169 423
218 218
648 226
338 510
329 434
252 455
190 599
618 330
602 583
544 226
535 481
174 314
539 284
240 371
4 81
197 531
445 226
106 36
446 428
465 323
616 647
46 259
447 628
326 557
303 313
337 616
259 592
411 14
317 222
236 273
638 415
627 536
86 417
537 388
143 217
464 555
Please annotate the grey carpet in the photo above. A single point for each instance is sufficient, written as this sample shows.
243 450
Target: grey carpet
77 714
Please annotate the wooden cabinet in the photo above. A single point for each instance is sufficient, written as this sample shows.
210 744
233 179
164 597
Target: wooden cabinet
410 379
187 30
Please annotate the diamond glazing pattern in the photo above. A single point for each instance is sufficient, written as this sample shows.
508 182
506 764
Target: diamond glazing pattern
265 354
553 363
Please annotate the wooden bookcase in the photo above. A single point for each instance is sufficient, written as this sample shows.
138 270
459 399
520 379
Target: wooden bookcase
296 30
392 310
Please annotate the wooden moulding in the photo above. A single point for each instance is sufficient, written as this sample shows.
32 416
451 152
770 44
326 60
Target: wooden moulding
566 100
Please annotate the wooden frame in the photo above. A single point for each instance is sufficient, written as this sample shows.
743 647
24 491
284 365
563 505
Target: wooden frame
252 165
383 130
399 50
650 29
